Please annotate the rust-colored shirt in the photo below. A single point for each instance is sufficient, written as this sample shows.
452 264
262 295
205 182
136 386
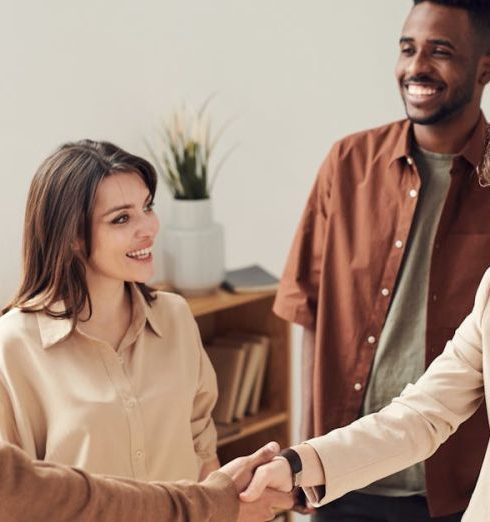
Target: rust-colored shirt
39 491
343 267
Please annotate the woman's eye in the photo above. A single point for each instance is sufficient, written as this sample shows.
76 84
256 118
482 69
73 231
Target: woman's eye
119 220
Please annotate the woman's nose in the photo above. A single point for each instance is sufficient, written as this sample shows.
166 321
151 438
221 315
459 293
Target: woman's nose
148 226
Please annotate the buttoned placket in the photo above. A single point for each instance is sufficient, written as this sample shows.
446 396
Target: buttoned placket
456 179
115 366
411 187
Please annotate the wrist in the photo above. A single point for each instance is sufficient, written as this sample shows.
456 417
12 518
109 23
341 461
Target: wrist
293 460
313 471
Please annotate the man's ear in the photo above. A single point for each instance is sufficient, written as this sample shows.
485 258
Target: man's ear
484 74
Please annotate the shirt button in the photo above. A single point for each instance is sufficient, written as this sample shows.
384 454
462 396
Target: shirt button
385 292
371 339
413 193
130 403
120 359
358 386
139 454
398 243
434 297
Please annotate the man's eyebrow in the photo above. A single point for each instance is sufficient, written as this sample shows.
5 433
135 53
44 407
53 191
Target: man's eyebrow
442 41
406 39
433 41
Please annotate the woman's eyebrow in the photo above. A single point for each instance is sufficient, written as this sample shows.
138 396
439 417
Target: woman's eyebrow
125 206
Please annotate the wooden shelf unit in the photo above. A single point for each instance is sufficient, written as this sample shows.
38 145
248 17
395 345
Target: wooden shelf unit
221 312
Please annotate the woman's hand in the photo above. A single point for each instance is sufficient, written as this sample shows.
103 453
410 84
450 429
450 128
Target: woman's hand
275 475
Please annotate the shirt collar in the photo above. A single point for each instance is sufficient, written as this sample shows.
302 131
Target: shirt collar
142 311
53 330
473 151
403 145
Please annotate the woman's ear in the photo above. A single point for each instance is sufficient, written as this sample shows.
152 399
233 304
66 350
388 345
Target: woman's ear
78 248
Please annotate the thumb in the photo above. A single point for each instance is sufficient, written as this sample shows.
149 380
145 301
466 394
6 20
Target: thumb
264 454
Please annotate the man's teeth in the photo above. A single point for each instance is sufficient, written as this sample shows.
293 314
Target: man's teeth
140 254
421 90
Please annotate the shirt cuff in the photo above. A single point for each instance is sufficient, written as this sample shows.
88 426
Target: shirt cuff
294 314
316 494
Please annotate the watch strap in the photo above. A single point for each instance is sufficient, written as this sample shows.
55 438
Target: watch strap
294 461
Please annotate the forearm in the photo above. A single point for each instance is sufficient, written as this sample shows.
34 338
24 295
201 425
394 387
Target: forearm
40 491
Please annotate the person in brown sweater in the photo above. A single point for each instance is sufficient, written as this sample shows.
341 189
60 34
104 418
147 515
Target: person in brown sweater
32 491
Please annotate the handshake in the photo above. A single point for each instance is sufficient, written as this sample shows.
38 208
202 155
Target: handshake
264 483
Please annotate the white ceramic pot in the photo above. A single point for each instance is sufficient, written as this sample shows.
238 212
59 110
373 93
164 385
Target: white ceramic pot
193 248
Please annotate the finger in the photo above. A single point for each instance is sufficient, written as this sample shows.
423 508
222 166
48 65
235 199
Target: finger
264 454
255 488
279 500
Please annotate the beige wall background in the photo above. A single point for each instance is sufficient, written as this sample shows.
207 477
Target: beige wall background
294 75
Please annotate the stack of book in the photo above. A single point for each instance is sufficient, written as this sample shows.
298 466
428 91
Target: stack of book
240 361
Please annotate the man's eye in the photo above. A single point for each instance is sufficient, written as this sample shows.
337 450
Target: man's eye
119 220
407 51
441 52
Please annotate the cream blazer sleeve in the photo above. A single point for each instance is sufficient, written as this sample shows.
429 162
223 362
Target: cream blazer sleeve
415 424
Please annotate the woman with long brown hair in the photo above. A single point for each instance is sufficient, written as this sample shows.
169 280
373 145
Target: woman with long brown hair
97 369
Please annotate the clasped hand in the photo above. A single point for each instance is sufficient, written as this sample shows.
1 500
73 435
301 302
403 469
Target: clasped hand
263 482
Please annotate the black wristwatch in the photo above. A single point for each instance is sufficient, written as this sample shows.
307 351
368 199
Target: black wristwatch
295 464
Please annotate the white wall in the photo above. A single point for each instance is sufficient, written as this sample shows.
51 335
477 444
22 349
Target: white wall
297 75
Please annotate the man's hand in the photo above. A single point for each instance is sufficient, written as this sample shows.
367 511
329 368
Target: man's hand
269 503
275 474
241 469
266 507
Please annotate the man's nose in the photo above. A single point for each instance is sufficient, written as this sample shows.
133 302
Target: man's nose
419 65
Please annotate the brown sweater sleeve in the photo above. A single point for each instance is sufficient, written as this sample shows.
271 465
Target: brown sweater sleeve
38 491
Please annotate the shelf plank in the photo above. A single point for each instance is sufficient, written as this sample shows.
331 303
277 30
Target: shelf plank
217 301
250 425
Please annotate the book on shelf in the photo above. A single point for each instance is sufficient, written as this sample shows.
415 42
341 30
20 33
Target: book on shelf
228 362
260 348
252 278
240 383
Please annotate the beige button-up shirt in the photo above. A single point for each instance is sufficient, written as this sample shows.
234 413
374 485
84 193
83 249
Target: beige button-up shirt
413 426
142 412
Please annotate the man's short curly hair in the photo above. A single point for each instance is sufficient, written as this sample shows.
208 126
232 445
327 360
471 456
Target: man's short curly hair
479 13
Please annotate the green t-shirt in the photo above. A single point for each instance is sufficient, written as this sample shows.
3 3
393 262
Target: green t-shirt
400 355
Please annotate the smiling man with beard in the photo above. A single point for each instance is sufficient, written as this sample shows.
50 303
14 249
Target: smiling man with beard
391 247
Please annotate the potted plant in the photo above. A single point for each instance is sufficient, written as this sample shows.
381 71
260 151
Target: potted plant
193 243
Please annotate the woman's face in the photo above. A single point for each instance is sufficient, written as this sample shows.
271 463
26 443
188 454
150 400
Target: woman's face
124 227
